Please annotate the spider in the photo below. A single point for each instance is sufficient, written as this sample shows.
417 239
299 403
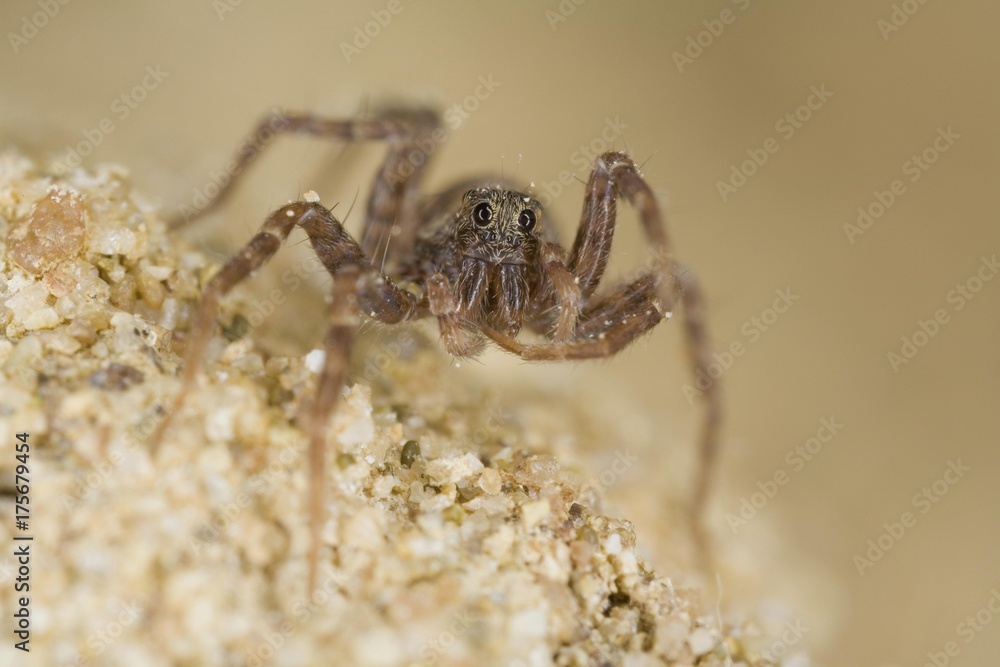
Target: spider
478 258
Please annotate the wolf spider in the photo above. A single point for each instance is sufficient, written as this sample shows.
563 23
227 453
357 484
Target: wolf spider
476 257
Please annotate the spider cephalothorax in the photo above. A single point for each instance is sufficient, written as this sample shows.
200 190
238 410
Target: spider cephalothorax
483 269
496 248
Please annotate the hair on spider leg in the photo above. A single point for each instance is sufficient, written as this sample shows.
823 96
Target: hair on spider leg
484 264
385 250
643 163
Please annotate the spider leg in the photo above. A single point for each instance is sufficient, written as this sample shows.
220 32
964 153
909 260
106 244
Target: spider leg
251 257
412 136
459 340
700 356
621 305
344 319
614 175
357 288
605 327
561 289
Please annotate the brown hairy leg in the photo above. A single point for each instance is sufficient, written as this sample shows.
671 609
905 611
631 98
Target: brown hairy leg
357 287
608 324
411 135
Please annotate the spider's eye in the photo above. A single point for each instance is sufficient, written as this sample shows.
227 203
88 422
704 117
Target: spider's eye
526 220
482 214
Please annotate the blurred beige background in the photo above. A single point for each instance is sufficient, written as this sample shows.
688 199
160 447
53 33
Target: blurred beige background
698 84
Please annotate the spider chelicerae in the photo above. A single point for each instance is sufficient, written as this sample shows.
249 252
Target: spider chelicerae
479 258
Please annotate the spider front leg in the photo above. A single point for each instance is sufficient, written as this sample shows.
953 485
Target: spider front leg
632 311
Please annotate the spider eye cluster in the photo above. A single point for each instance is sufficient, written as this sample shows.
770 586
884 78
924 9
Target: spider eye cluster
482 214
489 208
